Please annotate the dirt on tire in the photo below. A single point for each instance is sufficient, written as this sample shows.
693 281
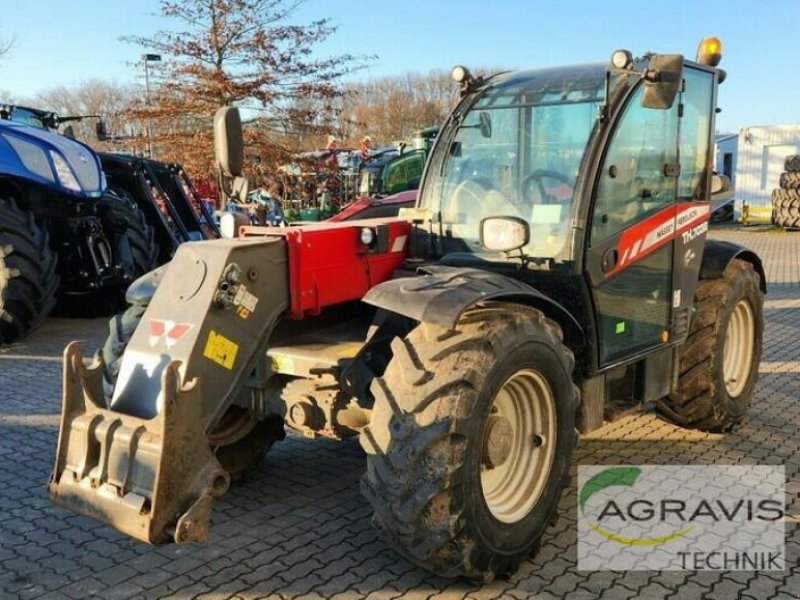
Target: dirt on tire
425 431
701 400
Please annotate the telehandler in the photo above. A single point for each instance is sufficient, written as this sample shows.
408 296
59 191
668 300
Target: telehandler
554 270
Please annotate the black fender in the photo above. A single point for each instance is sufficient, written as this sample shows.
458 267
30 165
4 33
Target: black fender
718 254
142 289
441 294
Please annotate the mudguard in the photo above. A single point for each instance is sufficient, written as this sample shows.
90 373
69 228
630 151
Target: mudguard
443 293
717 254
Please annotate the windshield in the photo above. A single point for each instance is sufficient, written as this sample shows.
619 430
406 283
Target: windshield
25 116
517 152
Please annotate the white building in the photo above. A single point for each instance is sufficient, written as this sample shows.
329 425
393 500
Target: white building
754 162
725 155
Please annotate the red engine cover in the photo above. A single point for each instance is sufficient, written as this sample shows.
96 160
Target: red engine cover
328 263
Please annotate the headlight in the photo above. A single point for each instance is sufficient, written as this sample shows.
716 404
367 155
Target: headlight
621 59
33 158
64 173
367 236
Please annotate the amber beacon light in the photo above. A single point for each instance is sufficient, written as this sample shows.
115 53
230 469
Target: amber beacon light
709 52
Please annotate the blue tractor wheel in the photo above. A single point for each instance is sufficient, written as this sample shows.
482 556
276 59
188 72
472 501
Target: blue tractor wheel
28 279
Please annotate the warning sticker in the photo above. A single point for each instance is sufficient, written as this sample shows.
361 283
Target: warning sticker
249 301
220 349
245 299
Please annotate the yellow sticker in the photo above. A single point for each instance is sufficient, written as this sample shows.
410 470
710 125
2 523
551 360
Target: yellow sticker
220 349
242 312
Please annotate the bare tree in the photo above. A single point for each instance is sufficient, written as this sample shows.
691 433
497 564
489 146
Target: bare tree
393 107
236 52
6 45
110 100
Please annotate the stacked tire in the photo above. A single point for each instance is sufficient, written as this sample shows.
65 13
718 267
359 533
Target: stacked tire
786 199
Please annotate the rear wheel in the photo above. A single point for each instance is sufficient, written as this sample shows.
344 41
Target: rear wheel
719 360
470 440
28 280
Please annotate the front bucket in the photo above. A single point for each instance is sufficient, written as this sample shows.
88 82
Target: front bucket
154 479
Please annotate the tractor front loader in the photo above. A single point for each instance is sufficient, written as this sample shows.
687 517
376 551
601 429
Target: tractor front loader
554 272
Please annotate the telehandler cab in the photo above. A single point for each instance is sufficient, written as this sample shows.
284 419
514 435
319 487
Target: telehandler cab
554 270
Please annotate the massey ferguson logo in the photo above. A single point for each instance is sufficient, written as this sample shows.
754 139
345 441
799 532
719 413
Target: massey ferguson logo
170 331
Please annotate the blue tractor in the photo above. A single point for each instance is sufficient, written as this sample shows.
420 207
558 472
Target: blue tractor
66 242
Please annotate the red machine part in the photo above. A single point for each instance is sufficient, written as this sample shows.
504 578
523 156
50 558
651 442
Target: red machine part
394 202
647 236
329 264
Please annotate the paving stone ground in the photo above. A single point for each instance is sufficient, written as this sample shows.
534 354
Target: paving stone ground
298 528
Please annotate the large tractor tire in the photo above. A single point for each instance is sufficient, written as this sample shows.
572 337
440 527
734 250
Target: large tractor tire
786 208
470 439
790 180
792 162
119 205
28 279
719 360
118 213
120 330
239 440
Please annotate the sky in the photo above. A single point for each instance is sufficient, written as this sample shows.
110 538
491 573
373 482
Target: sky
63 42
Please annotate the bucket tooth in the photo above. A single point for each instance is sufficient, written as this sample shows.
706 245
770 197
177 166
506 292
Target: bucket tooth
155 479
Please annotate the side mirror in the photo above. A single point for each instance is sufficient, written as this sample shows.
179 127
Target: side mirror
100 130
504 234
228 141
720 184
486 124
662 80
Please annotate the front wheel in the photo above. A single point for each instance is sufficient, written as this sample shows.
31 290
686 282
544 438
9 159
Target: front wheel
719 360
470 440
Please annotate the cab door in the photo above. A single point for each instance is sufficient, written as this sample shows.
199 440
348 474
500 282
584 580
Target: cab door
629 259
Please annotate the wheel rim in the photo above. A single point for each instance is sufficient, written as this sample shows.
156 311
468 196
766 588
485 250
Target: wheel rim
518 446
737 353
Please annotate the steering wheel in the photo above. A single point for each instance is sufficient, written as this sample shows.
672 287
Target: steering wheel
538 176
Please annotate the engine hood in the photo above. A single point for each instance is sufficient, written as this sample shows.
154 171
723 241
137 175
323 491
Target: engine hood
17 157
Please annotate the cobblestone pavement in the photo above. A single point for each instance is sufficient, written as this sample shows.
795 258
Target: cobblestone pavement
297 527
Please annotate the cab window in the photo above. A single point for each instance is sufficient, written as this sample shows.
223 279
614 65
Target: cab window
695 128
635 176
